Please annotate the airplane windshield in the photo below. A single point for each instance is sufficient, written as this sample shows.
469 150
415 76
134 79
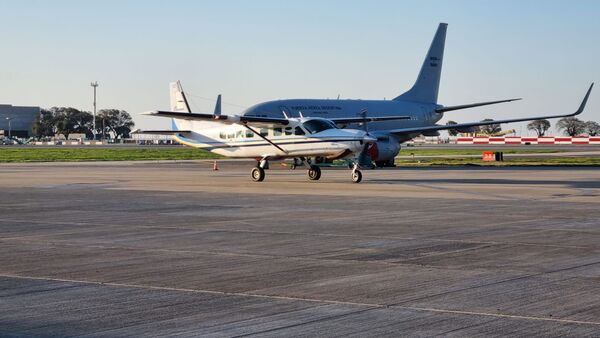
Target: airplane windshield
315 126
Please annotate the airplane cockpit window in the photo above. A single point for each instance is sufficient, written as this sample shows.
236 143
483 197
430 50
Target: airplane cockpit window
315 126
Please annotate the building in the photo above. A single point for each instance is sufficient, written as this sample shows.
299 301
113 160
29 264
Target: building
18 119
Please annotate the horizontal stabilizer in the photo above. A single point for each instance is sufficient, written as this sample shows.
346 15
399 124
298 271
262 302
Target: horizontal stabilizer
226 119
463 126
472 105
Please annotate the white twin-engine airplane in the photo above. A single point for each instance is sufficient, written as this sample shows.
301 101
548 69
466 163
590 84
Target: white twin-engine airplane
308 128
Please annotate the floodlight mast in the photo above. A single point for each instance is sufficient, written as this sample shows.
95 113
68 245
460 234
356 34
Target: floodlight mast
95 85
9 127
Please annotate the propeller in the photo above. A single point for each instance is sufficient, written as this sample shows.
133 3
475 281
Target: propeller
363 158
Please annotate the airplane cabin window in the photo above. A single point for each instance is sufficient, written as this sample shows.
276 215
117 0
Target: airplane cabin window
288 130
298 131
230 135
239 134
277 132
264 131
249 134
222 135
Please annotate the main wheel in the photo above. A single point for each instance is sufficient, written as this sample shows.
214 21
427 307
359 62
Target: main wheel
314 173
356 176
257 174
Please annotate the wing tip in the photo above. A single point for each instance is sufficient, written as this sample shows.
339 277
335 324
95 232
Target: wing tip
585 99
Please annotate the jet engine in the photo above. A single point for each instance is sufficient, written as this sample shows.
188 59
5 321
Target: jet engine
384 150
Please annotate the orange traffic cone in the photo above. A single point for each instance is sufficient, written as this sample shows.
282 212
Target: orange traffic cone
215 166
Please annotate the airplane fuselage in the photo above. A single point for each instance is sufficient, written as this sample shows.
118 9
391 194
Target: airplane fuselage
422 114
295 140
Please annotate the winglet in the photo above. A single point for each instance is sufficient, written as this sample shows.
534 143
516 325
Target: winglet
218 106
584 102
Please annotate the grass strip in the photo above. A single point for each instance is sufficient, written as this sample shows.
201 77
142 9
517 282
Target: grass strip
21 154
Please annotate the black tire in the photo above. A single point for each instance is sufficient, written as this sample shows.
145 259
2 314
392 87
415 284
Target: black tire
356 176
257 174
314 173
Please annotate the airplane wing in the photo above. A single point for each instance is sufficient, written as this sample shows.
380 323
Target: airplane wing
349 120
160 132
227 119
472 105
459 126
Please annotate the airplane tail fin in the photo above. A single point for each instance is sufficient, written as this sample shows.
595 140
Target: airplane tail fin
179 102
427 85
218 106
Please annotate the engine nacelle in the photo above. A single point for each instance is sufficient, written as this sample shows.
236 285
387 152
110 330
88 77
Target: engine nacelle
385 149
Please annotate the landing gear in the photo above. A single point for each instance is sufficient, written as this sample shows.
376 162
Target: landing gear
385 164
314 173
296 163
356 175
257 174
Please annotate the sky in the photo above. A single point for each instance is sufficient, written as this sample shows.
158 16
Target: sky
546 52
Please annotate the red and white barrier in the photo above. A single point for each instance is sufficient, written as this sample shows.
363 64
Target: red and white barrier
529 140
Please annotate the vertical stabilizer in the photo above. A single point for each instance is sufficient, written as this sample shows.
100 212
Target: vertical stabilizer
427 85
218 106
179 102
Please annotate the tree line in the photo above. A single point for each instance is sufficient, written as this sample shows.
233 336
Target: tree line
68 120
571 126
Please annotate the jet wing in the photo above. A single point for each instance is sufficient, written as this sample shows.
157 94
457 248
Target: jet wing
459 126
349 120
472 105
227 119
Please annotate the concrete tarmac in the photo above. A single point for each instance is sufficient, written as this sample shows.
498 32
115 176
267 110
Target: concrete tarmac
174 248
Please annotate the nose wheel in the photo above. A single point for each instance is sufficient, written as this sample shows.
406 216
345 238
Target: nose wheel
314 173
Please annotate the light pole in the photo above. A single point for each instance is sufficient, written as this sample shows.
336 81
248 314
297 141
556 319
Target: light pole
9 127
95 85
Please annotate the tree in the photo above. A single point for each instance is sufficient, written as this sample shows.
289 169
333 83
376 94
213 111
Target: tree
490 129
43 125
452 132
592 128
539 126
69 120
119 122
571 126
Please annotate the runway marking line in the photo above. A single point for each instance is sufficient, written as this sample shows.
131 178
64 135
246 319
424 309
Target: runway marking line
243 294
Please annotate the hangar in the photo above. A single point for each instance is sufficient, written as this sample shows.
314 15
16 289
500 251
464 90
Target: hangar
18 119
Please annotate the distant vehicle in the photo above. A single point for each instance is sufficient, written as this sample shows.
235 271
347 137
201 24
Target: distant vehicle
8 142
